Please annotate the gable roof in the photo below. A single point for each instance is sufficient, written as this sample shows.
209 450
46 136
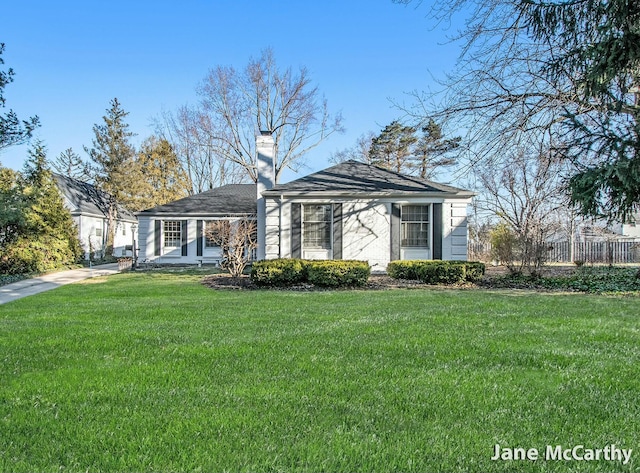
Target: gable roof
86 199
353 177
228 200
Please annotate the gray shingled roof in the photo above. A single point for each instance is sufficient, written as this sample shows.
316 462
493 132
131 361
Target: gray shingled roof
353 177
232 199
86 199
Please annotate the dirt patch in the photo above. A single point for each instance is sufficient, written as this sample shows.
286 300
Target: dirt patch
377 282
226 281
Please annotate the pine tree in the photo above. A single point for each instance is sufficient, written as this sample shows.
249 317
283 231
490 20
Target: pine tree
12 130
112 155
430 151
70 164
11 207
392 148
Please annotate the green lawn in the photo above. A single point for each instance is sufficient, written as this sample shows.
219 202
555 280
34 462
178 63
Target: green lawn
154 372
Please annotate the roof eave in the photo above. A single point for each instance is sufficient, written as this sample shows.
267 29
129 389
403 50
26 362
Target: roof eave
195 214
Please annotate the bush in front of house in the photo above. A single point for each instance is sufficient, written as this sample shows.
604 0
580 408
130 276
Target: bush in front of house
474 270
338 273
437 271
404 269
324 273
279 272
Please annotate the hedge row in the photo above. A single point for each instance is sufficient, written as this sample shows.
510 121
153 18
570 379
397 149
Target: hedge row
436 271
325 273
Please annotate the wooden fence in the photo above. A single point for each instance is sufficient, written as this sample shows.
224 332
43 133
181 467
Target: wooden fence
609 252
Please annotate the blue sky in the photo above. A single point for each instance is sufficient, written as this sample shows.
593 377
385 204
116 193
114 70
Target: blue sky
71 58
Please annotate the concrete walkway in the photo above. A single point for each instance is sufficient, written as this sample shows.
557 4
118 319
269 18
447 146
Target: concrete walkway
28 287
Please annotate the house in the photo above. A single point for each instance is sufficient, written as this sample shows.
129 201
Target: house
629 229
176 233
349 211
89 208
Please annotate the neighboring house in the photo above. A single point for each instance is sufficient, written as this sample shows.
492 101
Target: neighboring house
349 211
89 208
630 229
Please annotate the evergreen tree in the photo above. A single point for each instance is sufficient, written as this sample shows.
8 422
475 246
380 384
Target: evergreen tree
112 156
48 237
11 207
392 148
70 164
157 176
430 151
597 48
12 130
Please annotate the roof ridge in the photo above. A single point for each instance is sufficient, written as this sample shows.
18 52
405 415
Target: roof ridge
342 177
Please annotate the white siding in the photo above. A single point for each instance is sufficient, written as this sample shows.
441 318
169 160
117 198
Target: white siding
92 232
272 235
145 239
454 238
146 244
366 232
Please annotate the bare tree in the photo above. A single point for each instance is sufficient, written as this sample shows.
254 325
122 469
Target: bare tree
189 130
238 105
237 240
358 152
525 194
560 72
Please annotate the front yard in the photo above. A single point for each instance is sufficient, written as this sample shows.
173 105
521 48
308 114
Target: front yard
154 371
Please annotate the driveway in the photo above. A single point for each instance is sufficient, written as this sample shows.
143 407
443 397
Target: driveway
28 287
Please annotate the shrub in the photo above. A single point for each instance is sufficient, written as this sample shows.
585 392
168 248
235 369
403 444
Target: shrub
338 273
441 272
326 273
437 271
474 270
504 245
406 269
279 272
36 254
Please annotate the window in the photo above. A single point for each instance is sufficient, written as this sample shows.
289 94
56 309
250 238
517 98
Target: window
172 233
98 231
415 226
316 227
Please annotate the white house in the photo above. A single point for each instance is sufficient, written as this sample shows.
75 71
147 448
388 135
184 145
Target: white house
89 208
351 210
630 229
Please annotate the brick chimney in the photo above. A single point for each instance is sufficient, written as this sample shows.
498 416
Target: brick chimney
265 148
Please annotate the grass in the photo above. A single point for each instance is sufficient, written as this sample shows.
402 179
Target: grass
154 372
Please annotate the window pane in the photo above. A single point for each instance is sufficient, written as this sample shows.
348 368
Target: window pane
317 213
415 213
172 233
